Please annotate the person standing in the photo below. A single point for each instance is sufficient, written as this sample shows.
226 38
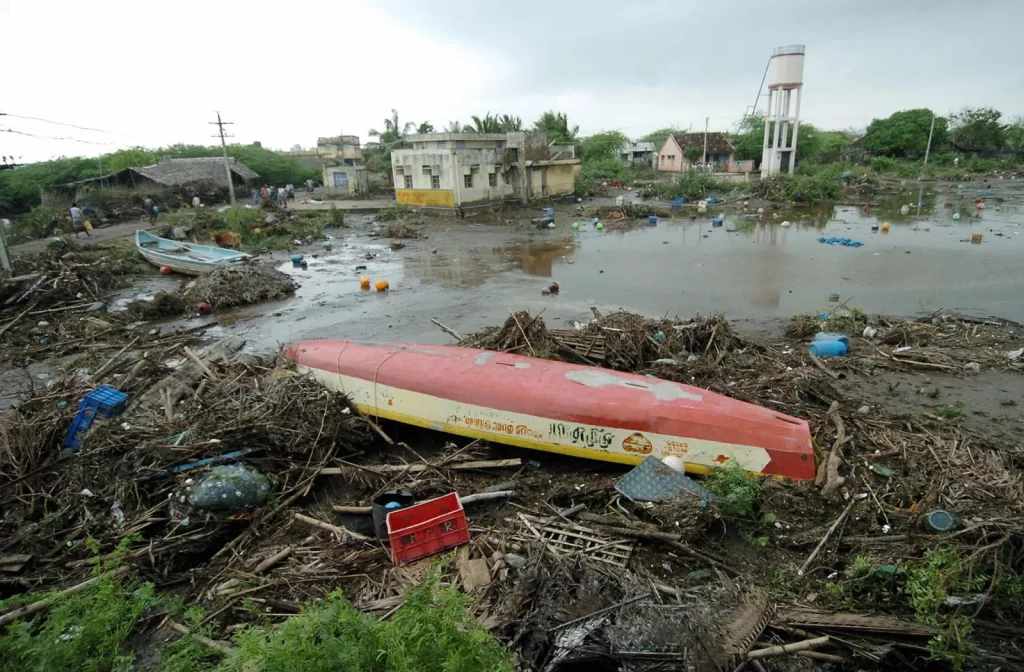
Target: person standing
282 197
290 188
273 195
78 220
309 186
255 196
195 201
149 207
264 193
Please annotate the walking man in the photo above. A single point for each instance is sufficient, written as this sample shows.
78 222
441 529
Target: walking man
78 220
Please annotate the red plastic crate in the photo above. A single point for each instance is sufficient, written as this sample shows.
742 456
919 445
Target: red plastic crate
427 528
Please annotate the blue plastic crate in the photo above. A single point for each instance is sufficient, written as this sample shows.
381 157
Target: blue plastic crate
107 401
79 426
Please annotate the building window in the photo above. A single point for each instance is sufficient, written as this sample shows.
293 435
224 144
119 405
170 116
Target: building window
426 170
435 181
467 181
508 180
499 144
408 181
421 145
442 144
514 155
460 144
492 179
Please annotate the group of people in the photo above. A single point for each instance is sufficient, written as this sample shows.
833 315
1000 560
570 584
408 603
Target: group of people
273 194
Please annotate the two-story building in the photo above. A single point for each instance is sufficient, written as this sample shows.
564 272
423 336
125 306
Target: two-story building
450 170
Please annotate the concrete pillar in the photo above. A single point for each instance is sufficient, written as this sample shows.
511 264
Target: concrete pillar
784 134
775 141
796 130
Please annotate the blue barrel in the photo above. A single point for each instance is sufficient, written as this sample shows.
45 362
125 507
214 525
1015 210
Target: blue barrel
828 348
940 520
826 336
296 258
549 212
716 221
652 220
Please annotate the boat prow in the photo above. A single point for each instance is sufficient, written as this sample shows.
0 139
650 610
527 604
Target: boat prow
583 411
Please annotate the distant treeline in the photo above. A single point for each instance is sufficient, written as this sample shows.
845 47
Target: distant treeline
19 188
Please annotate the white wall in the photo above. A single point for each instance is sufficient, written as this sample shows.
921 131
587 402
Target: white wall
452 167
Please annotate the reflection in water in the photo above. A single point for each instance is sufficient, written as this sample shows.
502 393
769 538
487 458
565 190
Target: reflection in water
461 268
537 258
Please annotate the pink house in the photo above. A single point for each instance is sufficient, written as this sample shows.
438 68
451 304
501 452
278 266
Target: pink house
673 156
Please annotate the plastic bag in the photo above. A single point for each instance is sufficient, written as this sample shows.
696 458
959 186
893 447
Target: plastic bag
231 488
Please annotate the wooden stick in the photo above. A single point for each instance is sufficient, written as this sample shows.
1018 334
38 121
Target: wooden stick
783 649
46 603
821 544
817 363
468 499
451 332
110 362
273 560
603 611
218 646
17 318
330 528
521 331
416 468
202 365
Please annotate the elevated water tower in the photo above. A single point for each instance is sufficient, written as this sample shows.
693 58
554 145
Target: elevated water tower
785 76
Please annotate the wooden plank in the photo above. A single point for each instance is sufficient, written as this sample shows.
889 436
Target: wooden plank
416 468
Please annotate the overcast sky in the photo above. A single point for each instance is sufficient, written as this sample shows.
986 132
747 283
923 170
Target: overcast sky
153 72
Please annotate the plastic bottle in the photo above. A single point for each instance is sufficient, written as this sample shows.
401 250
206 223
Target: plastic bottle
828 348
826 336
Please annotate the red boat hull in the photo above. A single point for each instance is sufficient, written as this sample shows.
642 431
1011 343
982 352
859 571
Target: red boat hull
570 409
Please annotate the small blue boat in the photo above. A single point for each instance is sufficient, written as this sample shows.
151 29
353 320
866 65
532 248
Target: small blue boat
187 258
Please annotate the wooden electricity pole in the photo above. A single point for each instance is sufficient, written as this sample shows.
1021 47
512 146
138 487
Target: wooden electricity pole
705 159
227 166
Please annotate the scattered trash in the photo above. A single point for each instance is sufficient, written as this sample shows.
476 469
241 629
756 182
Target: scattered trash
976 239
97 307
427 528
940 520
864 410
828 348
297 258
383 504
972 367
902 348
553 288
845 242
785 224
364 281
832 298
969 601
514 560
381 285
654 481
826 336
879 470
230 488
869 331
202 308
1015 354
104 402
165 270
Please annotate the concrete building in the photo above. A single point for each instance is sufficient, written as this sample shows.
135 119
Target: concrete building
342 150
449 170
785 76
684 151
639 154
345 180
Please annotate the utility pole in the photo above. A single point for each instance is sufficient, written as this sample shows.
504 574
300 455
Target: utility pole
227 166
920 177
705 159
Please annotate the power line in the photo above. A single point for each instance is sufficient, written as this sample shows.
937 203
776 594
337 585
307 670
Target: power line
48 137
60 123
227 167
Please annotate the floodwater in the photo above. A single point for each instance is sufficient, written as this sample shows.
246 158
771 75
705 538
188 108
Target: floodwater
470 275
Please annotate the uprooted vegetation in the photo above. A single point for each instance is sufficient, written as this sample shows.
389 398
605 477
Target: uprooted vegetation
573 572
266 228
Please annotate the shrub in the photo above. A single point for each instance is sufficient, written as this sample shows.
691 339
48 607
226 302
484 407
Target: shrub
736 489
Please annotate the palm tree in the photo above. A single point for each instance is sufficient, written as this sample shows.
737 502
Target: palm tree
425 127
556 125
454 127
393 130
511 123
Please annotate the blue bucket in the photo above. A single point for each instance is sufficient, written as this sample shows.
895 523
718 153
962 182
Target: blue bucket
549 212
826 336
296 258
828 348
652 220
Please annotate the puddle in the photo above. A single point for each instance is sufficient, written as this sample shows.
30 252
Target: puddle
144 288
470 274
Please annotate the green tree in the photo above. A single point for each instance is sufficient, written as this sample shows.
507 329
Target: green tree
556 125
905 133
510 123
425 127
978 129
748 140
1015 137
453 127
485 124
602 146
394 131
694 154
659 137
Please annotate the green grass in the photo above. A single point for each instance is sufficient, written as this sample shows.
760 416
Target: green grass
737 490
393 212
950 412
433 631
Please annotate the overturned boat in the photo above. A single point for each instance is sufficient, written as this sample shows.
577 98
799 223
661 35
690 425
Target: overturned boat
186 258
571 409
